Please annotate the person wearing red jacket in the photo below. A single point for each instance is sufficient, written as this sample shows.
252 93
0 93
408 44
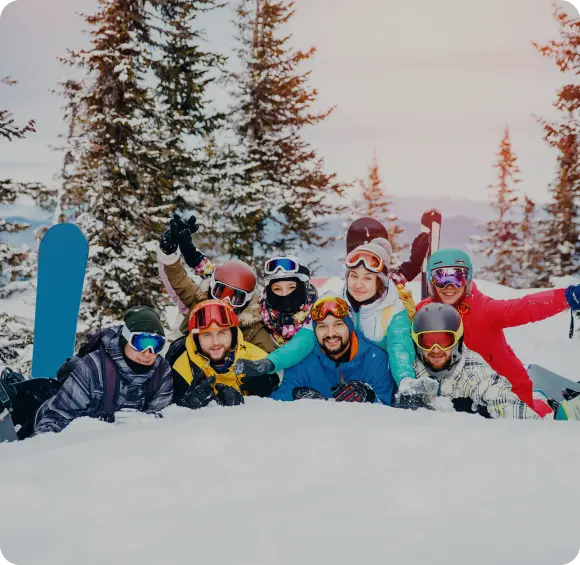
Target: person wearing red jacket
450 276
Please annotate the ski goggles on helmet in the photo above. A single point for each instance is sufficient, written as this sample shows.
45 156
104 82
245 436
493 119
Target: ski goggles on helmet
370 260
330 305
456 276
211 312
235 296
444 340
142 341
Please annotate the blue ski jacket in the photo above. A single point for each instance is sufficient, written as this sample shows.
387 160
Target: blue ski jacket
385 323
370 364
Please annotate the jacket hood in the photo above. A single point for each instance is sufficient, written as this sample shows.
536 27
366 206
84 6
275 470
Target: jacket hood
389 298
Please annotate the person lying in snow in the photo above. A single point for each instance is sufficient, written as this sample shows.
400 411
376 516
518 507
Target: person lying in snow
125 372
344 365
450 278
452 377
204 371
377 309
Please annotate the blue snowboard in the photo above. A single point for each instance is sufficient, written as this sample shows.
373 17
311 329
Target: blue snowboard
62 261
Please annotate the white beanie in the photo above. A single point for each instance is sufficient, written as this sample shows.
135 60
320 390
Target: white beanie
381 247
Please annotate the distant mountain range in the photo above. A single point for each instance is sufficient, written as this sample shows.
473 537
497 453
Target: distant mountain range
462 218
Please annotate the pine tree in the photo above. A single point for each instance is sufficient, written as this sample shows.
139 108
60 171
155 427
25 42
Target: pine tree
502 234
117 161
276 192
561 243
378 205
8 129
184 73
528 253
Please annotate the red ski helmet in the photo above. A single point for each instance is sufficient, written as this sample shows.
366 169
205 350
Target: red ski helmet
363 231
235 281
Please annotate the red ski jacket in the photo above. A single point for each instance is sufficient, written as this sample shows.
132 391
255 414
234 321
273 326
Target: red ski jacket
484 320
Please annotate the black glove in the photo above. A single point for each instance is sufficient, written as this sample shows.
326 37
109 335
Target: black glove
10 377
170 239
262 385
228 395
189 251
419 248
255 368
191 224
200 393
353 391
305 392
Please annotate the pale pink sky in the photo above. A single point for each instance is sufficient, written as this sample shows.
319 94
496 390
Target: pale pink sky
428 85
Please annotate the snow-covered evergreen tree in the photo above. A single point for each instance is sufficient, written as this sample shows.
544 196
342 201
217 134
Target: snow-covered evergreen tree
276 192
503 236
378 205
117 162
184 73
561 242
8 129
528 253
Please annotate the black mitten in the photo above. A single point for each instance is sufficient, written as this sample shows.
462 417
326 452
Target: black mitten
228 395
305 392
262 385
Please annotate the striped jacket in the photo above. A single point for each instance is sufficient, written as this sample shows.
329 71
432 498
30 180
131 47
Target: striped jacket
473 386
82 392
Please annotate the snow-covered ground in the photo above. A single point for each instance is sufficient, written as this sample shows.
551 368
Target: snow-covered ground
306 482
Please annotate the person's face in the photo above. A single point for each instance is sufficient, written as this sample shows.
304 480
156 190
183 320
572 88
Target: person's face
437 358
450 294
146 357
215 342
332 334
283 288
361 284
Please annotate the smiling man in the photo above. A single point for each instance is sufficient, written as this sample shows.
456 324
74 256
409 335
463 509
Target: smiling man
344 366
447 369
204 371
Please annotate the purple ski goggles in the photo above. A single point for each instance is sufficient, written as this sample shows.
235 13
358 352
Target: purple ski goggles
456 276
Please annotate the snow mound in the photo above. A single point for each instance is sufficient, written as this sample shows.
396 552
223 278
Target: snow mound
305 482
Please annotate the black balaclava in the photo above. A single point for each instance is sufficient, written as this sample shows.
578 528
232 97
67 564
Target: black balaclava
291 303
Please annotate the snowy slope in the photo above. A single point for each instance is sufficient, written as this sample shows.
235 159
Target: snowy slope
306 482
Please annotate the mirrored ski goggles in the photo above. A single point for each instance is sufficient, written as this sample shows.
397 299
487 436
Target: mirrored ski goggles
456 276
142 341
206 314
285 264
330 305
444 340
235 296
370 260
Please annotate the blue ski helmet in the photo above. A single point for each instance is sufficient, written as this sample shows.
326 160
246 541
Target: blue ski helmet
450 258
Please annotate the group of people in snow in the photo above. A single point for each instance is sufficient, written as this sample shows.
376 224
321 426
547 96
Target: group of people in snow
369 343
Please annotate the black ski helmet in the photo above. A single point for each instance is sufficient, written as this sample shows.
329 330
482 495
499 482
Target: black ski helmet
363 231
438 317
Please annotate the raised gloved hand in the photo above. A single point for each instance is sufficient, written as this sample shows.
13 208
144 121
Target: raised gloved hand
261 385
420 386
254 368
228 395
573 297
411 268
200 393
353 391
169 241
191 255
305 392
